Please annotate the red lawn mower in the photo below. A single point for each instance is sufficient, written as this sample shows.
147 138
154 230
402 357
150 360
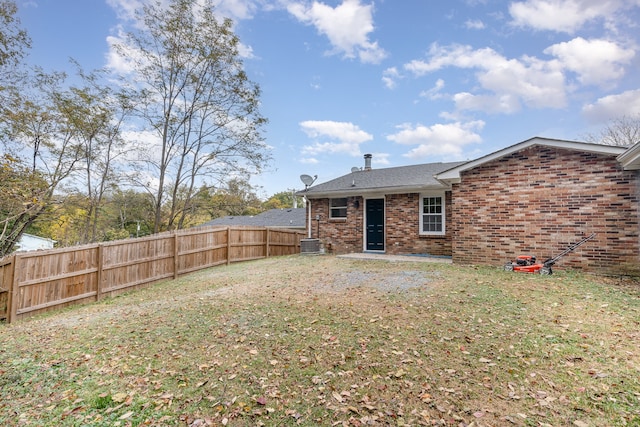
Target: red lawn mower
528 264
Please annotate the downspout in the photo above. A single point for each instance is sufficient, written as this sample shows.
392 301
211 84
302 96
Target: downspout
308 181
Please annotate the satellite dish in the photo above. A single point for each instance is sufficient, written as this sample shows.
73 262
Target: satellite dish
307 180
355 169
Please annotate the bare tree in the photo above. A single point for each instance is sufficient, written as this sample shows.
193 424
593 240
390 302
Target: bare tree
623 131
97 113
198 101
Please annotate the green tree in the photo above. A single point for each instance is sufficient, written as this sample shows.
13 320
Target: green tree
130 210
14 41
22 196
283 200
196 99
236 198
33 128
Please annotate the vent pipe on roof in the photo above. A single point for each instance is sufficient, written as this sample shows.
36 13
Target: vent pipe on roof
367 162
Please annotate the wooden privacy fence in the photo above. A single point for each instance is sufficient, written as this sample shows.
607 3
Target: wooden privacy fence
33 282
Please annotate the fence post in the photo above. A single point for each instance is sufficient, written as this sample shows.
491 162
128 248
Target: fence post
12 296
99 273
267 244
175 255
228 245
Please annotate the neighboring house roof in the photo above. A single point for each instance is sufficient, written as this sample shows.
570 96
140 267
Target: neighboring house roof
282 218
453 175
30 242
401 179
630 159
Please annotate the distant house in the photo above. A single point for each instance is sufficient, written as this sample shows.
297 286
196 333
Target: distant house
29 242
276 218
534 197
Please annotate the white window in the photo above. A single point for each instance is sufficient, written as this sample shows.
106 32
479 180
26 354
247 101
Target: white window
432 214
338 208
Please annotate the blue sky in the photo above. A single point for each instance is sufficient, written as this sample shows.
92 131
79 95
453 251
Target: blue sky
409 81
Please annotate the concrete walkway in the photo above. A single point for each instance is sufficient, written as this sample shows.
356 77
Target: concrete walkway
396 258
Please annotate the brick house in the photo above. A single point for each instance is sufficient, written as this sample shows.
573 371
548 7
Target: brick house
536 197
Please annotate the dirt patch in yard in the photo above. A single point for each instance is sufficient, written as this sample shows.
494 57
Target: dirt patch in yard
394 281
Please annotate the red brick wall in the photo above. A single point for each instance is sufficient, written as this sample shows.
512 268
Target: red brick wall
402 226
338 235
539 201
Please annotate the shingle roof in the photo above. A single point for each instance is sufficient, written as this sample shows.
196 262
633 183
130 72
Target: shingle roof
284 218
387 180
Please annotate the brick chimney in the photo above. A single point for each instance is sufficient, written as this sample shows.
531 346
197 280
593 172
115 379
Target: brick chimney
367 162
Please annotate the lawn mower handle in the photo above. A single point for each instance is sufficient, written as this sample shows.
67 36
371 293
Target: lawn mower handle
552 261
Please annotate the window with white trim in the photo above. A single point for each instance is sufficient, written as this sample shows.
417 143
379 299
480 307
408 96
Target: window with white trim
432 214
338 208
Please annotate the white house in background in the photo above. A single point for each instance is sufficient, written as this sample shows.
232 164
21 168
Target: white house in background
29 242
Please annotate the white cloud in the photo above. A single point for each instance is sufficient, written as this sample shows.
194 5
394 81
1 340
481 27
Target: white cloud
561 15
455 55
126 9
434 92
343 137
347 26
439 139
121 64
510 82
309 161
504 103
474 24
613 106
236 9
390 77
595 61
380 159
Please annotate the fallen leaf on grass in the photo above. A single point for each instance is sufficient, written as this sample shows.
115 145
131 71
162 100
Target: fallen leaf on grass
72 411
399 373
119 397
125 416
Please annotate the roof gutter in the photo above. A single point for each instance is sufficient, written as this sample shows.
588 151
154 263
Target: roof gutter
374 191
630 159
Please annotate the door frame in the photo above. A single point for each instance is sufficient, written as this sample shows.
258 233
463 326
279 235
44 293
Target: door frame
384 226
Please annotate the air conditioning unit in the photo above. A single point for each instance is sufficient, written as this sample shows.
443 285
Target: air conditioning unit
310 246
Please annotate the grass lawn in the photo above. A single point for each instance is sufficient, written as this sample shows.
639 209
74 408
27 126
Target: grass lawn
320 340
